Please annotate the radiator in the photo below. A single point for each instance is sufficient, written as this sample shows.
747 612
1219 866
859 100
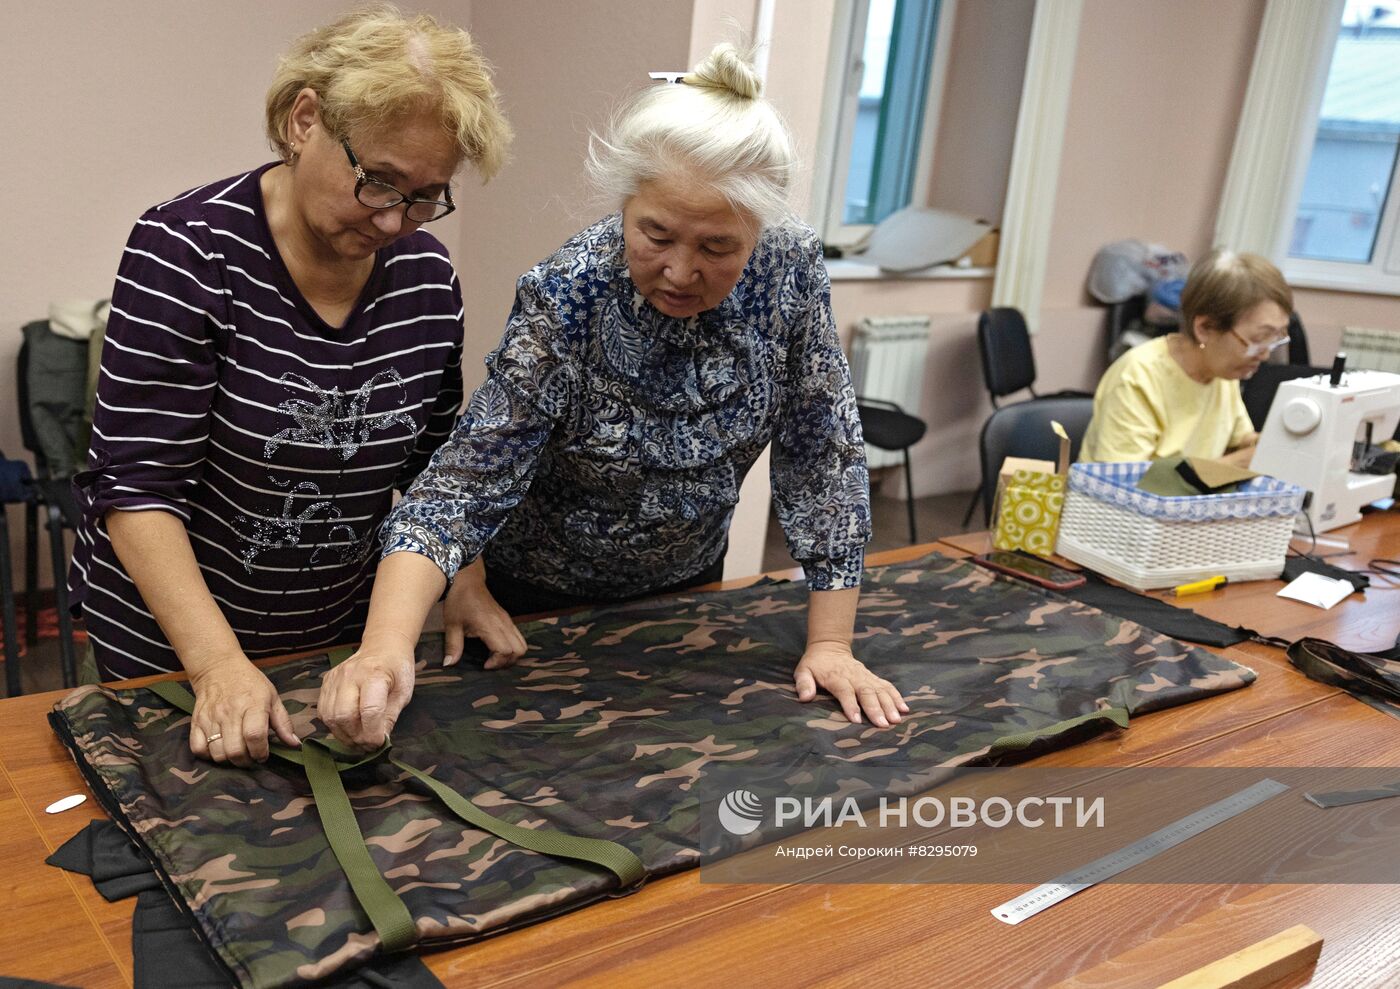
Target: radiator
887 362
1371 350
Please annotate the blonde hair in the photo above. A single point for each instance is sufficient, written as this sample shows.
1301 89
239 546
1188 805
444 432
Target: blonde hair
715 125
1224 285
376 64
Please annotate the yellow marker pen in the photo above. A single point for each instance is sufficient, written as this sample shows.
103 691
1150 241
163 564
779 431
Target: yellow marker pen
1200 586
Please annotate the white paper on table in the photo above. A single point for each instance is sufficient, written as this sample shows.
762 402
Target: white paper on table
1315 589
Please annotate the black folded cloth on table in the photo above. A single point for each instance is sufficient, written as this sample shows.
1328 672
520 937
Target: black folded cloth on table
1296 566
1156 614
166 952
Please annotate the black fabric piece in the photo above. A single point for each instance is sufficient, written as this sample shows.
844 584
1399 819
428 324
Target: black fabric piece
8 983
1189 475
169 955
166 951
104 852
1296 566
1156 614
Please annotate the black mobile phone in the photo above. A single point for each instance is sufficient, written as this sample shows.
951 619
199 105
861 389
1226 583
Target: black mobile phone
1031 568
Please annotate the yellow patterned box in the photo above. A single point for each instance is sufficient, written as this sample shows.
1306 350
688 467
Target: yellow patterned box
1030 496
1028 511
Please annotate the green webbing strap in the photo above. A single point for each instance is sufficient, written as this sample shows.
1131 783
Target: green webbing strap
323 766
324 761
599 851
1023 740
387 912
609 854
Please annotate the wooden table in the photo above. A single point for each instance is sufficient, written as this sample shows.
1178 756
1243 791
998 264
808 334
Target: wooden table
1365 622
678 931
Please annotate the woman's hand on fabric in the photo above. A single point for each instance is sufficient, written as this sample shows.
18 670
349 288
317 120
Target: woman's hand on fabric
471 612
235 706
832 667
361 699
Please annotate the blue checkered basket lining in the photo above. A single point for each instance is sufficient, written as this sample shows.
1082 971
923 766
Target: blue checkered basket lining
1116 484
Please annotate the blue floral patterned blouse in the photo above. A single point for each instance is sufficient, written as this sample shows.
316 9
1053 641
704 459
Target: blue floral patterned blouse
603 455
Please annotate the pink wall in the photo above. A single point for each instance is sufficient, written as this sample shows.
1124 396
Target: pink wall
801 36
1325 314
109 109
982 93
1156 99
559 75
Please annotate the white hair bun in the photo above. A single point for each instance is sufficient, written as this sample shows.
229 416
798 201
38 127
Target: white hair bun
729 70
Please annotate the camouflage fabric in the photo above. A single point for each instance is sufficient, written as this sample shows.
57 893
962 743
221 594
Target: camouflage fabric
1371 678
605 729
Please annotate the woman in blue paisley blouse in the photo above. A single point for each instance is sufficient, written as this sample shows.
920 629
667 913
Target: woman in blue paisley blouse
645 366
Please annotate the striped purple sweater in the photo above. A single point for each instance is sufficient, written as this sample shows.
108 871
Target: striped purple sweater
278 440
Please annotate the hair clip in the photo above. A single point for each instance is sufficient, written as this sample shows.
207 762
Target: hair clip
677 77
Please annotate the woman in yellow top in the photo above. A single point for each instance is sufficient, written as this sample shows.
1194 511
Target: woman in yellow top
1180 393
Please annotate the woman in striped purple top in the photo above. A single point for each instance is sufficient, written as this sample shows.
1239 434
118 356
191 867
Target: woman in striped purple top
284 351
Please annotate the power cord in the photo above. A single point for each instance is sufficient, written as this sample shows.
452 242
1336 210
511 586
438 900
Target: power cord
1387 570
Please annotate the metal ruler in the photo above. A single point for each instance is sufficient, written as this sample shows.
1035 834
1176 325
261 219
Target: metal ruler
1063 887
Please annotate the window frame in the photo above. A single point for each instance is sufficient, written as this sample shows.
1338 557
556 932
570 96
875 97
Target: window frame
1380 275
840 106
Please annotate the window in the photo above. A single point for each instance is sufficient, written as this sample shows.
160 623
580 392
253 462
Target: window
886 68
1346 233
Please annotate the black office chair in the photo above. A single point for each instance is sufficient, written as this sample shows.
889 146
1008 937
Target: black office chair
1297 341
1008 363
1130 316
1123 316
1023 430
53 438
1259 389
15 489
889 427
1008 366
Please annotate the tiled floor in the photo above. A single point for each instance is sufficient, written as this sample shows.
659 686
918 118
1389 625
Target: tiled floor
934 516
39 667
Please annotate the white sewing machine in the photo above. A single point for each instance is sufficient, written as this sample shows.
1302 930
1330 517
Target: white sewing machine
1310 433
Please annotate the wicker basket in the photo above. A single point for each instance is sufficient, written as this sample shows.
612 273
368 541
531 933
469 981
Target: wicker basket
1148 541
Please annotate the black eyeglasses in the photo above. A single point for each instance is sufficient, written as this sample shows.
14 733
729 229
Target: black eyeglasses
381 195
